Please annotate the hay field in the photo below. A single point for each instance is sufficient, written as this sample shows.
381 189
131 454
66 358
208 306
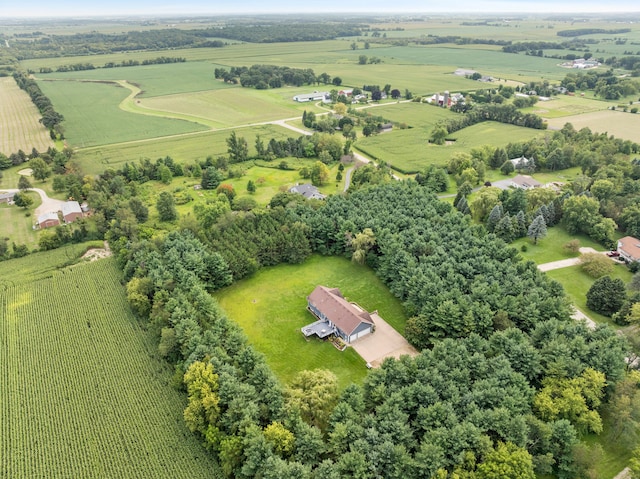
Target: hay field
617 123
20 128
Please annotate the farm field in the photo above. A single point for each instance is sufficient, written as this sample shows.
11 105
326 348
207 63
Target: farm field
185 148
84 393
617 123
410 151
19 117
272 316
558 108
92 115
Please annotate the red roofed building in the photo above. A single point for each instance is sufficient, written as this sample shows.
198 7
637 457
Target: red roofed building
337 316
629 248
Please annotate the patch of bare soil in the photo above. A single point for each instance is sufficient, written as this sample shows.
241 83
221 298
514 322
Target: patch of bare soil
94 254
26 172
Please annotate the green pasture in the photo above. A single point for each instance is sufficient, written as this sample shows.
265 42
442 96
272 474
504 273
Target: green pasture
410 150
84 392
271 308
576 283
413 114
617 123
92 115
232 107
563 106
550 248
185 148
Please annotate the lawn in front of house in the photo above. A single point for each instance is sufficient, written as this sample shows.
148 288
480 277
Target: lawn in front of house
271 308
576 283
550 248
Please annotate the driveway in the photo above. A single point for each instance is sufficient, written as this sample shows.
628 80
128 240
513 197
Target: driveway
384 342
565 263
48 205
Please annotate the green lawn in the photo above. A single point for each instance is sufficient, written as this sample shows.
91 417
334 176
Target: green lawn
271 308
576 284
410 151
550 249
17 223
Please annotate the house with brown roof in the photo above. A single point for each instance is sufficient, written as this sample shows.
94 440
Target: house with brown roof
629 248
525 182
337 316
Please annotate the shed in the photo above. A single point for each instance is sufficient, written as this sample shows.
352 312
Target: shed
71 211
48 220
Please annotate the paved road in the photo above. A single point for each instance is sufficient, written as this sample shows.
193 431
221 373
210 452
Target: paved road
48 205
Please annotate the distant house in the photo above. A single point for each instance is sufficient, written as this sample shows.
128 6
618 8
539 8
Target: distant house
385 127
6 197
523 163
315 96
337 316
524 182
71 211
629 248
446 100
308 191
47 220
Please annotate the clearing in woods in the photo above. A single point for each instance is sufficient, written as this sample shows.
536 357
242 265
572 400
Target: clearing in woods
21 128
84 391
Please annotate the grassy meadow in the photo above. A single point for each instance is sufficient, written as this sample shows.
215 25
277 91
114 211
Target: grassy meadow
550 248
617 123
85 393
271 308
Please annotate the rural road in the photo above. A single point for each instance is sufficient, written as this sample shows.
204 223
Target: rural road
565 263
48 205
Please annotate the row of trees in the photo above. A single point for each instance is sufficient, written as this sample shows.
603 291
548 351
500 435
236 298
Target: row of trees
50 117
263 77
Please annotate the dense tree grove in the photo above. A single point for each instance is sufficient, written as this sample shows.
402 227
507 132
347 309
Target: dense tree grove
262 77
479 400
50 117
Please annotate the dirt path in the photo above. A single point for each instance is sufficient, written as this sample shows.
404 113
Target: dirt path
94 254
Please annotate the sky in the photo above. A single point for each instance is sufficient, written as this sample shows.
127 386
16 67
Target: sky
75 8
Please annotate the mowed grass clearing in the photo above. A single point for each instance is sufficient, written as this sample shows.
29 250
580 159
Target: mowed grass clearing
271 308
20 121
410 151
93 117
576 283
84 393
550 248
613 122
186 148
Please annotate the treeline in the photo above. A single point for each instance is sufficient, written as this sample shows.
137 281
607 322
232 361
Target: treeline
286 32
498 395
124 63
591 31
605 84
50 117
262 77
93 43
494 112
537 46
431 39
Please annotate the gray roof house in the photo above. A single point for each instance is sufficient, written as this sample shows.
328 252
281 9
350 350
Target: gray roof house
525 182
71 210
6 197
308 191
337 316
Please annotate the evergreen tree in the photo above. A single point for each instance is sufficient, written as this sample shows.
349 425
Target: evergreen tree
494 217
537 229
521 230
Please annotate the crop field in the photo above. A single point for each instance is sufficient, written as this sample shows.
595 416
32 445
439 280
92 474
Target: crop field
410 150
83 392
185 148
155 80
92 116
20 128
556 109
272 316
617 123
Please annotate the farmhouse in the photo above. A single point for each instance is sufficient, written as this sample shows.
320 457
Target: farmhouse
446 100
315 96
47 220
523 163
71 211
525 182
337 316
629 248
307 190
6 197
